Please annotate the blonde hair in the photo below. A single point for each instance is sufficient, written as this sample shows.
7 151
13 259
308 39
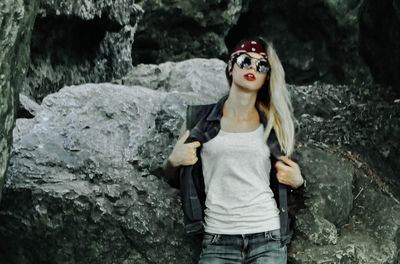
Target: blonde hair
276 105
280 110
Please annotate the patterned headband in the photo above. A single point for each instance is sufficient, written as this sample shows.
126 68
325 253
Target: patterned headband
248 46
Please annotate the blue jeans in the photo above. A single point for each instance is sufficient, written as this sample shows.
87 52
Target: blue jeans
257 248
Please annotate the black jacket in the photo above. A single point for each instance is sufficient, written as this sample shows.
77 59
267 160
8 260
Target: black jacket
204 124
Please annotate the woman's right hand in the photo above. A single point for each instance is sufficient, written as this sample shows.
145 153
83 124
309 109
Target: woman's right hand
184 154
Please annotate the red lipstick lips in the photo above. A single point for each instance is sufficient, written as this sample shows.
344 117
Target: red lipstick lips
250 77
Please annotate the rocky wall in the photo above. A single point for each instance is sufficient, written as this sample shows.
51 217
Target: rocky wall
75 43
16 23
86 183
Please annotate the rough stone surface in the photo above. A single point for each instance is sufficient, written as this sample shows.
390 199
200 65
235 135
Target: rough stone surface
361 119
317 229
123 12
370 236
29 104
194 75
86 184
75 42
379 38
16 21
180 30
318 40
329 193
84 41
83 190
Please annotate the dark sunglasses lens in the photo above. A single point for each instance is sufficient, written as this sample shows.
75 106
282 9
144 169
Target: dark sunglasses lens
243 61
263 67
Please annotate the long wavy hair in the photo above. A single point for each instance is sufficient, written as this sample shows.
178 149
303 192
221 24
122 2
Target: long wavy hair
273 98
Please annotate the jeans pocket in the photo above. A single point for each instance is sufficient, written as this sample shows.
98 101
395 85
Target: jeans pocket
275 234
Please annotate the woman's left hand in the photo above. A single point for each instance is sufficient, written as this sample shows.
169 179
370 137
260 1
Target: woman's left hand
289 174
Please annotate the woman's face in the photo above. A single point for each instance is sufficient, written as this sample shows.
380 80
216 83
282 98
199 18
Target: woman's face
240 76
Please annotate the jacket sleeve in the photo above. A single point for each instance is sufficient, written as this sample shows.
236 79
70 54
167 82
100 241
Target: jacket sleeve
175 182
192 112
296 158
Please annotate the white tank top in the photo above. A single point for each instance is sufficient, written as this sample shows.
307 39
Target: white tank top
236 168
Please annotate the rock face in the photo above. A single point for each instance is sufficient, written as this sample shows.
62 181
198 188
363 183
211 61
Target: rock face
359 119
85 183
203 77
16 23
380 35
318 40
371 231
180 30
75 43
94 200
330 195
351 202
85 180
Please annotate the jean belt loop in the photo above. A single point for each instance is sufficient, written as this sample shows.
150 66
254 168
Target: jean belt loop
215 238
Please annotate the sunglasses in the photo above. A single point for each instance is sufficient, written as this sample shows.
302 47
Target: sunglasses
244 62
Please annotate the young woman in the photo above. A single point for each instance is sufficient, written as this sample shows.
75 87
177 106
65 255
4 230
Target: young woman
242 219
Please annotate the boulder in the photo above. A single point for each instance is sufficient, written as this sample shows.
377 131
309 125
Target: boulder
16 23
85 181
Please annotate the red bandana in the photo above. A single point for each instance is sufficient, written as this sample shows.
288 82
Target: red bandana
250 46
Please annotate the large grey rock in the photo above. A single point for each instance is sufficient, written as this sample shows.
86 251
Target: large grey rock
329 193
204 77
85 180
328 197
16 22
83 189
80 42
29 105
363 119
94 153
316 228
370 236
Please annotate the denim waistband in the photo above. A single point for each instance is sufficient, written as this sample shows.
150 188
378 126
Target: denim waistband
268 233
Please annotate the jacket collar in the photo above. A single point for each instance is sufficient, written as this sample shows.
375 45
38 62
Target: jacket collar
216 112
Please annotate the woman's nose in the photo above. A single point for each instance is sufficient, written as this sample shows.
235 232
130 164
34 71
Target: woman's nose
253 64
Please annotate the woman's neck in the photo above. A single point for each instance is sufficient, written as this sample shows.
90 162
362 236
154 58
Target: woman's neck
240 108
